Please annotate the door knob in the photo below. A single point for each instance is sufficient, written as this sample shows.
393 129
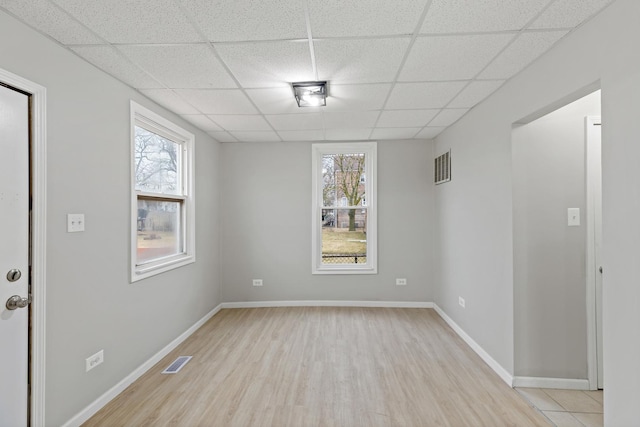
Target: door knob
17 301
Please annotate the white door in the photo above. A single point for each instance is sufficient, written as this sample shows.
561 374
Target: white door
597 215
14 257
594 237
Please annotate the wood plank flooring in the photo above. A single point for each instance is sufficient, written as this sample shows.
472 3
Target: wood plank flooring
322 366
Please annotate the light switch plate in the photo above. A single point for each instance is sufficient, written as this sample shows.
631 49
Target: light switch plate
573 217
75 223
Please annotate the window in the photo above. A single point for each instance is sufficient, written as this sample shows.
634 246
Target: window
162 204
344 208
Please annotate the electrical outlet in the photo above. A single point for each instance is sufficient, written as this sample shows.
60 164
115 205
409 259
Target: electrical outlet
461 302
401 282
257 282
93 361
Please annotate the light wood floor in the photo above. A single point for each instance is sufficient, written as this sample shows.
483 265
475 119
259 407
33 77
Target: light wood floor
322 366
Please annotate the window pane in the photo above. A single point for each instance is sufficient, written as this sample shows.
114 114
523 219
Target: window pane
156 163
343 180
344 236
158 230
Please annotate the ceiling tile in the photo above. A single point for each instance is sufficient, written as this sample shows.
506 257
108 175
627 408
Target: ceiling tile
180 66
359 61
278 101
394 133
526 48
451 57
357 97
241 122
170 100
475 92
429 132
114 63
568 13
267 64
49 19
302 135
126 21
296 121
241 20
350 119
406 118
347 134
222 137
218 101
448 116
364 17
202 122
256 136
464 16
422 95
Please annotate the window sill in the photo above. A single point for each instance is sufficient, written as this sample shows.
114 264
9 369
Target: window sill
161 266
344 270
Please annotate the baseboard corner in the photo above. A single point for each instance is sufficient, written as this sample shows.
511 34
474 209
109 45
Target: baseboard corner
486 357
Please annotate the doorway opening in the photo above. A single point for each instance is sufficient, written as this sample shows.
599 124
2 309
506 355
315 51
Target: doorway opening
556 234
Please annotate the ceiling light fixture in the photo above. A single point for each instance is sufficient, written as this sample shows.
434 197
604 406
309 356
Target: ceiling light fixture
310 94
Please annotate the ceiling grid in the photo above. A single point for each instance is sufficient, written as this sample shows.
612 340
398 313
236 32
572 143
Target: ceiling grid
397 69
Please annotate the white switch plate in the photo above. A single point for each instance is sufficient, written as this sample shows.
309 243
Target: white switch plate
93 361
461 302
573 217
401 282
257 282
75 223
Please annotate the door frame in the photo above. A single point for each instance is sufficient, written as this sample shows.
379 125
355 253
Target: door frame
593 159
38 141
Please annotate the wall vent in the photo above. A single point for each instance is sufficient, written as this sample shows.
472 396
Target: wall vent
177 365
442 168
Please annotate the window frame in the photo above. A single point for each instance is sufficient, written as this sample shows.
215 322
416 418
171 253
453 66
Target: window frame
369 149
152 122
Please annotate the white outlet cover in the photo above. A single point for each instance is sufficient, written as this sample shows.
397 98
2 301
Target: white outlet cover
257 282
75 223
401 282
93 361
573 217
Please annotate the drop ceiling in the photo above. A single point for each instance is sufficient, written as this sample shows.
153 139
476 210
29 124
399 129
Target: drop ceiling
397 69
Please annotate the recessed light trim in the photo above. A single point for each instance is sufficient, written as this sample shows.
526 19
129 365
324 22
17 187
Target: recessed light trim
310 94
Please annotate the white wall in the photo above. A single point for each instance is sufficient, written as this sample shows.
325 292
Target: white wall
550 298
90 303
266 217
474 212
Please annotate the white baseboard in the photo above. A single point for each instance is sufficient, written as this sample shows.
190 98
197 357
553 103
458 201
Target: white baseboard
311 303
498 369
97 404
562 383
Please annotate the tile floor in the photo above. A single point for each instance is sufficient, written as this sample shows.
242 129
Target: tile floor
567 408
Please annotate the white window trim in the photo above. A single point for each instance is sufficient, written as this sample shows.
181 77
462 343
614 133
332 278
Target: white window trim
152 121
370 151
